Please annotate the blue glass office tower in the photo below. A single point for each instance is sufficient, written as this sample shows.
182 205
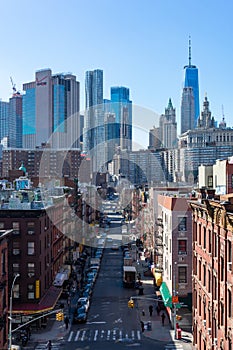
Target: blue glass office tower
191 81
4 126
121 106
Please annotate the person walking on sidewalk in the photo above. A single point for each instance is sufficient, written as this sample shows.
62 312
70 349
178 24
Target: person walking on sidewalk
150 310
142 326
49 345
163 318
66 322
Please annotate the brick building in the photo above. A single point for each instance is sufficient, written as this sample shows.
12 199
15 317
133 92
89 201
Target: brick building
212 273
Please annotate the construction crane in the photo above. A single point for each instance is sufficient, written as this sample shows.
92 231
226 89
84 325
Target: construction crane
13 86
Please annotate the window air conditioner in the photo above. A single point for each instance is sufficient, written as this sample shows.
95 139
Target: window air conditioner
204 323
209 331
215 341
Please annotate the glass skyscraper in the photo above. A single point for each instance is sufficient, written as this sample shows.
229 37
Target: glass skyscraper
121 106
94 119
48 104
191 81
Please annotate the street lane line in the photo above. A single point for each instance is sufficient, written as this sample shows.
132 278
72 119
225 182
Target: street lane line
83 335
77 335
139 335
108 335
96 334
71 335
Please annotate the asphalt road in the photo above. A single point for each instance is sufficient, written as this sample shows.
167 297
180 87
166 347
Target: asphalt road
111 324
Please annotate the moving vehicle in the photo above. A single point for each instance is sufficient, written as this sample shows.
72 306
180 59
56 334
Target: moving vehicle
129 276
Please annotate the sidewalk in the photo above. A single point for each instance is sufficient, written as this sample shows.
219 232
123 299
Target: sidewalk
158 332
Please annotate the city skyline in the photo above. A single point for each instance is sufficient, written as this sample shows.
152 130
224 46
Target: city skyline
140 47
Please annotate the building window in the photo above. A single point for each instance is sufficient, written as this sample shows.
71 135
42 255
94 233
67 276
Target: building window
209 281
204 237
31 228
15 226
16 291
16 248
210 181
221 314
182 224
209 239
204 275
31 291
15 268
229 303
31 248
222 268
232 181
182 246
182 274
31 269
2 225
229 252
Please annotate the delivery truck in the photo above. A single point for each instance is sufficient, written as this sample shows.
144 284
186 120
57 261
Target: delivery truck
129 276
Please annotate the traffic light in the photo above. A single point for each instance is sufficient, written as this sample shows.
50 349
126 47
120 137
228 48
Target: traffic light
131 303
59 316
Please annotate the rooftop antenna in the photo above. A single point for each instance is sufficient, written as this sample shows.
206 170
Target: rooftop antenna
223 115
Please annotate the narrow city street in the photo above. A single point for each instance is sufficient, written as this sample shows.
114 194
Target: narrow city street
110 324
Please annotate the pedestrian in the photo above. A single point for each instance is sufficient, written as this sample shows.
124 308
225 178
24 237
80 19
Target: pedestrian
49 345
142 326
66 321
143 312
163 318
158 310
150 310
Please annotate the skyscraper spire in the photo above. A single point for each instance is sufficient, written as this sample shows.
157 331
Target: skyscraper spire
189 51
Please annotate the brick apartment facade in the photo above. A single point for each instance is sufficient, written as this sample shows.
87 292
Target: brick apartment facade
212 273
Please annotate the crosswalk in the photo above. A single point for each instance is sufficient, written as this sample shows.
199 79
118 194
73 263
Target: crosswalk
43 346
173 346
103 335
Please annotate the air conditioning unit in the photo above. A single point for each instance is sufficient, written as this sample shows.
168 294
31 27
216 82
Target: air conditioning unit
229 266
181 258
209 331
204 323
215 341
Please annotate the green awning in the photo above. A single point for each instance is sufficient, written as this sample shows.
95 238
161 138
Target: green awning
166 295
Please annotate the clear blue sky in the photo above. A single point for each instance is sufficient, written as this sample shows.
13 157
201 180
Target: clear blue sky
139 44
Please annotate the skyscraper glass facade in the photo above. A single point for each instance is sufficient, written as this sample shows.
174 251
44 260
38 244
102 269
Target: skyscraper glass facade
191 80
4 126
58 108
29 118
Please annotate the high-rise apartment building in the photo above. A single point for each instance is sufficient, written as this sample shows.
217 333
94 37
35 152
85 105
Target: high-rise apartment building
11 121
94 119
189 116
51 106
15 121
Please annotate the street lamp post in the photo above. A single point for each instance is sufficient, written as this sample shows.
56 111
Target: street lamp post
10 317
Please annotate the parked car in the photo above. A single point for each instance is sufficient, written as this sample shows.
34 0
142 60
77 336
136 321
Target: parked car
86 293
83 301
80 318
82 309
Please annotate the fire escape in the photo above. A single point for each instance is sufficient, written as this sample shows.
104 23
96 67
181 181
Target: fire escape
159 243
